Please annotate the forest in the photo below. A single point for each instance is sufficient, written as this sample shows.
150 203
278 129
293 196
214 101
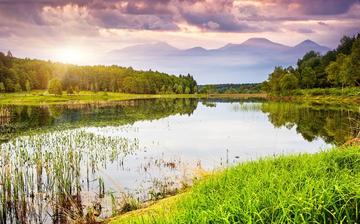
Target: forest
230 88
338 68
18 75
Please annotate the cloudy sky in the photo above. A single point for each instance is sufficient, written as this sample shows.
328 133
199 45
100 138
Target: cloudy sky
51 29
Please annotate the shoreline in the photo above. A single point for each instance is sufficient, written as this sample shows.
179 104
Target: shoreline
39 97
158 211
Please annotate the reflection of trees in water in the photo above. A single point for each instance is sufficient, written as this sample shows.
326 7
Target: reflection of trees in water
29 118
332 125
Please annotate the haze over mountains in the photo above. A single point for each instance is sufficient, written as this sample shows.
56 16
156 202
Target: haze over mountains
248 62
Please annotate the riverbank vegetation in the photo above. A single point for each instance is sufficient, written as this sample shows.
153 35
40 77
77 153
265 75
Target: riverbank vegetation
322 187
246 88
18 75
40 97
338 69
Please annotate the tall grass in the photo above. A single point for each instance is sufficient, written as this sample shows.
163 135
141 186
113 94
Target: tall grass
42 177
319 188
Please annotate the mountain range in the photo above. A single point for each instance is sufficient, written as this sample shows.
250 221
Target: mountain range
248 62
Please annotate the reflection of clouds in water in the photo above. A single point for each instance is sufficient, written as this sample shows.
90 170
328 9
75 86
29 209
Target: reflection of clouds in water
210 131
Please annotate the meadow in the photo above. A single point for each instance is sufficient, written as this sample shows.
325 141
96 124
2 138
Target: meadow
305 188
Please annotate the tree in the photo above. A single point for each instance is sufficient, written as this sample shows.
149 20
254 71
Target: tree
338 71
55 87
308 78
288 82
70 90
180 89
187 90
354 63
2 87
27 86
9 85
345 45
77 90
17 87
9 54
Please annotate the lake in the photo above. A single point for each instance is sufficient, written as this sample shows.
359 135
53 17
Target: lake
61 162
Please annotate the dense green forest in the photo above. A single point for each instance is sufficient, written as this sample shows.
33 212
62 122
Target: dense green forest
18 75
338 68
231 88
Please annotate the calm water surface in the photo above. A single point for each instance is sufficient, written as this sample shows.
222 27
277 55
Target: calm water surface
145 149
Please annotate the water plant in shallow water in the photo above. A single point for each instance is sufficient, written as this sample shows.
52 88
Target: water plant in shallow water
44 177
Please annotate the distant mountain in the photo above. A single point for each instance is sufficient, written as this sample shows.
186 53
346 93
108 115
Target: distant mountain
307 46
194 51
158 48
248 62
254 45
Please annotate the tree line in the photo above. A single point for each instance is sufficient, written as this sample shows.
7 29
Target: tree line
337 68
18 75
230 88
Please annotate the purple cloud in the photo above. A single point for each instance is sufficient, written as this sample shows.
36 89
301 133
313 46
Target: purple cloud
207 15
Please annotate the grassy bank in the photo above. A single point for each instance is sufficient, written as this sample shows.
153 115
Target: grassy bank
39 97
323 96
320 188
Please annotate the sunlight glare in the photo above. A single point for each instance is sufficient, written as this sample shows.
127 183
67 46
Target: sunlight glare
70 55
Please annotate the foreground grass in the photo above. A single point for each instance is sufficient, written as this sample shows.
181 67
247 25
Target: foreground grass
319 188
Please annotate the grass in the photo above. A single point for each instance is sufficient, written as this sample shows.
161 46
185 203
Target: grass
43 176
323 95
307 188
349 91
39 97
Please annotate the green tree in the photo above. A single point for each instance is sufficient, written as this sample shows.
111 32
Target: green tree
333 71
180 89
17 87
2 87
288 82
354 64
187 90
55 87
308 77
27 86
9 85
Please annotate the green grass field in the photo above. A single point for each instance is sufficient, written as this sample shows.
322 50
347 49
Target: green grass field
308 188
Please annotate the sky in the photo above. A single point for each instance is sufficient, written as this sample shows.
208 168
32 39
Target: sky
65 29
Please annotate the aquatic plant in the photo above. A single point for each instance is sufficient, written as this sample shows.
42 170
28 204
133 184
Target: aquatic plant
42 176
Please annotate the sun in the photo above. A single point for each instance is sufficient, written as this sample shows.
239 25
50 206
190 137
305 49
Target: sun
70 55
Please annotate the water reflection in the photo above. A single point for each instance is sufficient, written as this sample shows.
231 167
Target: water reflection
333 125
19 120
80 162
